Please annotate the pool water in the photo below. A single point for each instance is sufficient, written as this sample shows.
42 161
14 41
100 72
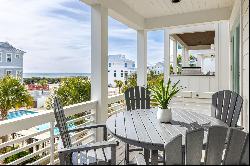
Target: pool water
21 113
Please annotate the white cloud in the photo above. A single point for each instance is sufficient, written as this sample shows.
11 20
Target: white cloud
53 44
57 37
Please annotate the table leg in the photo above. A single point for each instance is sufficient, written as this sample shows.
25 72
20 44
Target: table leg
126 154
146 155
154 157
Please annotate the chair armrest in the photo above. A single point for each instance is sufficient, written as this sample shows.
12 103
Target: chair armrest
88 147
88 127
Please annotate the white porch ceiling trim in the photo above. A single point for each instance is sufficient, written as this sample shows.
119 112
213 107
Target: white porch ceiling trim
121 12
188 18
125 14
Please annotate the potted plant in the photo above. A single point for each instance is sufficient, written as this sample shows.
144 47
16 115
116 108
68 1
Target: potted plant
162 95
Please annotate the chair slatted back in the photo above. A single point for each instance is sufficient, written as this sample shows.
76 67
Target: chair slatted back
173 151
193 148
245 153
137 98
235 146
227 106
62 123
215 145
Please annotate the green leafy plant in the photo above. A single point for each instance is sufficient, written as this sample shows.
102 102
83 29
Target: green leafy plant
119 84
162 94
13 95
18 156
71 91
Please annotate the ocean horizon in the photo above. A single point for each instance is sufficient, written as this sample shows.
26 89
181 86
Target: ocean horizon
55 75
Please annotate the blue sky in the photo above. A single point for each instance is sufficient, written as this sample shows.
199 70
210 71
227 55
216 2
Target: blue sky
56 35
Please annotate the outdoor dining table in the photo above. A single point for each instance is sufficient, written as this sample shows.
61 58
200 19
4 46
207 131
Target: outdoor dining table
142 129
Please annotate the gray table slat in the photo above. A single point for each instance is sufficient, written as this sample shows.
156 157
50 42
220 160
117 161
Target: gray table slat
120 125
154 136
111 123
166 136
168 126
199 119
141 127
141 131
130 128
213 121
194 122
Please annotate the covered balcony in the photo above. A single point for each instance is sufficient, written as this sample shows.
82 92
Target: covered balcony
38 134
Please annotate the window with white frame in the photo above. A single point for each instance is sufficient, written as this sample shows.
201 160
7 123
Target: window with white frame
126 74
8 58
19 74
17 56
1 57
121 73
8 72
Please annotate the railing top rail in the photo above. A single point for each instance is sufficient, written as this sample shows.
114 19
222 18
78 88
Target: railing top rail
115 98
22 123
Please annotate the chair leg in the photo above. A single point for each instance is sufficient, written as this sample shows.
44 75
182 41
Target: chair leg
126 154
154 157
146 155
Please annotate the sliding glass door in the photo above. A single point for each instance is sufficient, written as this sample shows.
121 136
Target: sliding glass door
235 59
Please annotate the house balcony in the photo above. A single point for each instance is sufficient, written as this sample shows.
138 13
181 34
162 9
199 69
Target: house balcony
37 133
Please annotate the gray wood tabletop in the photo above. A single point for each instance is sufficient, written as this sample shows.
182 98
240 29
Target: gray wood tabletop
141 127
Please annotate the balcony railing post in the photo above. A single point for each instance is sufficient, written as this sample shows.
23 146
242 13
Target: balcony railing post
142 58
99 63
52 143
166 55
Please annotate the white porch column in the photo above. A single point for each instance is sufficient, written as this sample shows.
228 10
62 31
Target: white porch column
183 57
166 56
142 58
186 57
175 56
99 63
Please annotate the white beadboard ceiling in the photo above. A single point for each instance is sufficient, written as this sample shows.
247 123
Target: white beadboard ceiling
158 8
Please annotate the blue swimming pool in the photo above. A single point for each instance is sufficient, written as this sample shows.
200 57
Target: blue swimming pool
21 113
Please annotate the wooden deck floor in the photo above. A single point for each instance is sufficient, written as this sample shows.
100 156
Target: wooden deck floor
120 155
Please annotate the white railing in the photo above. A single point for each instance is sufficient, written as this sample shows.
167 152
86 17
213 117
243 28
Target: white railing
116 104
41 145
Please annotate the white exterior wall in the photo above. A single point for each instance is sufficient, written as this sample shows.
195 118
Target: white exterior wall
240 14
245 59
117 63
158 68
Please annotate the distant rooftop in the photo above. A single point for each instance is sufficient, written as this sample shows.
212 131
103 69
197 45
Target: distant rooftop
120 57
8 47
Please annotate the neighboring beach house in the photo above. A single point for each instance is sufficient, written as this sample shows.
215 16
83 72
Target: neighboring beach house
158 68
119 68
11 61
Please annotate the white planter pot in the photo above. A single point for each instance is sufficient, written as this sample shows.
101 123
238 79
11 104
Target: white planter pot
164 115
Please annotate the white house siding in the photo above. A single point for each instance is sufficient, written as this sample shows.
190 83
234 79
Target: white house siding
158 68
241 9
16 64
245 46
117 63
